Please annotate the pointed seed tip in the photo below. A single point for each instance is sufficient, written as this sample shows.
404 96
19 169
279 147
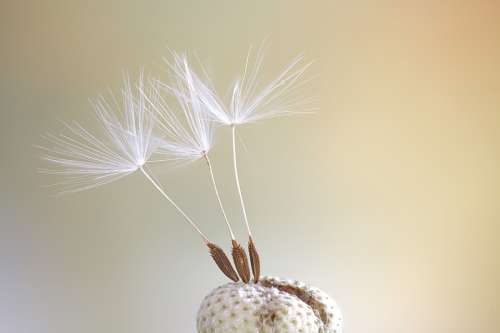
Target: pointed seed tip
254 259
241 262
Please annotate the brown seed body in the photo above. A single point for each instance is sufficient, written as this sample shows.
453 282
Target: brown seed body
222 261
254 260
241 262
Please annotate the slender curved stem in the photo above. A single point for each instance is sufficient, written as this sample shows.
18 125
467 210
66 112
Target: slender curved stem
235 164
186 217
218 196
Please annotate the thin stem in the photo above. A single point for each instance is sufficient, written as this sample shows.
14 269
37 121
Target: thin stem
238 181
188 219
218 196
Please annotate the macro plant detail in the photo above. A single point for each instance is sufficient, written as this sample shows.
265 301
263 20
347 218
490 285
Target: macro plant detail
173 122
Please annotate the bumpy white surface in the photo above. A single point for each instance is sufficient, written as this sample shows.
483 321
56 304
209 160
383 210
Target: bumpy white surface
258 308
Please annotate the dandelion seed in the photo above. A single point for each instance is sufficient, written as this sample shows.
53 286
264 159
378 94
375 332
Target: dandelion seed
250 103
86 161
188 133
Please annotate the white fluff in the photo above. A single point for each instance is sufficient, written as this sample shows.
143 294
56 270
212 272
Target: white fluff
250 101
86 160
186 129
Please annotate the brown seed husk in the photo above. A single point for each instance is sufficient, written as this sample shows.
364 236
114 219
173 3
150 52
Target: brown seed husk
241 262
254 259
222 261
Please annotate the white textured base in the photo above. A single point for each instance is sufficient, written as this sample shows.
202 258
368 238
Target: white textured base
272 305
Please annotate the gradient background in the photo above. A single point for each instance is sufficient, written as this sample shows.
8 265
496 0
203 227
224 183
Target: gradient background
388 199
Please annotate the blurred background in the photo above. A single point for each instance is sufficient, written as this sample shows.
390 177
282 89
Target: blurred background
387 199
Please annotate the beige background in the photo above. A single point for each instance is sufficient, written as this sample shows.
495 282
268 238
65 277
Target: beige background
388 199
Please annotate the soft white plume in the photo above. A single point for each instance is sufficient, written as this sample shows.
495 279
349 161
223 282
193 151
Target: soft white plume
186 127
250 100
127 143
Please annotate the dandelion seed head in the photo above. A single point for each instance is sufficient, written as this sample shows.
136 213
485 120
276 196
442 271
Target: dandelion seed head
187 130
250 100
126 143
